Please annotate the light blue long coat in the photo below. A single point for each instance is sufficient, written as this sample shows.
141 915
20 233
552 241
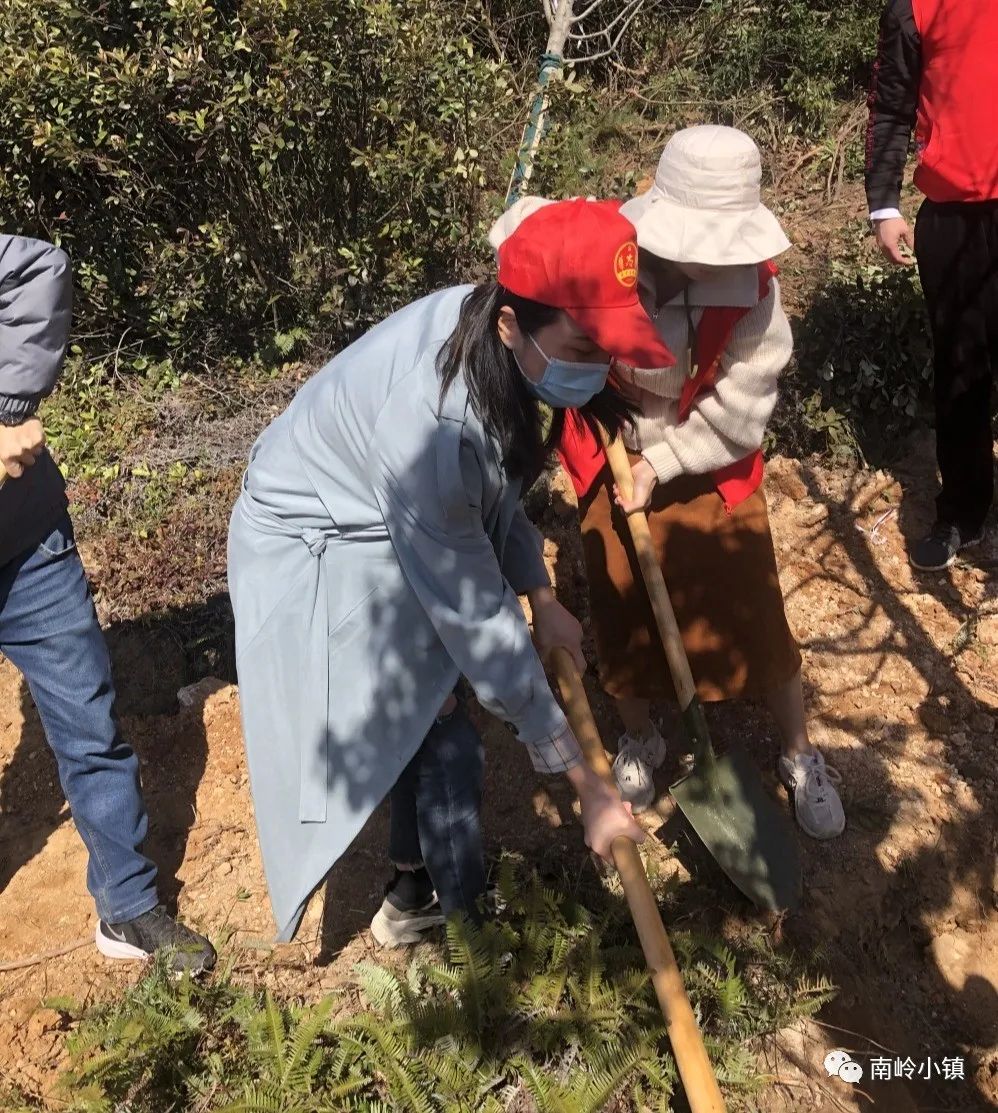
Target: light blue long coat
375 554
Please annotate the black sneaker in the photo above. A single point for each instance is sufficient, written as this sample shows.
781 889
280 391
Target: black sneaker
154 931
939 549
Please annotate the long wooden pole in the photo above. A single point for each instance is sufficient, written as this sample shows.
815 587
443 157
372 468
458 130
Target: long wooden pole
702 1091
661 605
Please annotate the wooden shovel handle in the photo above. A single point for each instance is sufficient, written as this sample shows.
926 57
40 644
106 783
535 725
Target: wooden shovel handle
661 604
702 1091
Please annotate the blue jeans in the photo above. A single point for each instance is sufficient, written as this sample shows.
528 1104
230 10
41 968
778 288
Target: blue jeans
49 629
436 814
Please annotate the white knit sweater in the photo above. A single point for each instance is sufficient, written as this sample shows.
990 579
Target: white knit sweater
724 424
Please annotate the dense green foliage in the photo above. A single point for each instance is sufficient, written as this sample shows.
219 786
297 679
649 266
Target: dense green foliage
779 68
234 175
233 178
866 339
225 173
803 55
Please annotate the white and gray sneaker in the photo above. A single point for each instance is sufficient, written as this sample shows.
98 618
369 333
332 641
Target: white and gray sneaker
636 761
400 927
816 802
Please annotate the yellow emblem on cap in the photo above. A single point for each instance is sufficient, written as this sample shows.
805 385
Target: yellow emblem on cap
625 264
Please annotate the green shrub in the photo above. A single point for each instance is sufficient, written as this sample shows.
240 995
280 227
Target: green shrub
223 173
864 345
589 146
800 57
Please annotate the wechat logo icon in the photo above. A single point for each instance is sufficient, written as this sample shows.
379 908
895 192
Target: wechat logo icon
839 1065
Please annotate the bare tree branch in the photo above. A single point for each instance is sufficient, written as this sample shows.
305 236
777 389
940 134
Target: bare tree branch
592 7
627 14
615 42
548 11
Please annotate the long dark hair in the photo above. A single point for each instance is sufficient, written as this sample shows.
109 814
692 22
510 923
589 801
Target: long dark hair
499 396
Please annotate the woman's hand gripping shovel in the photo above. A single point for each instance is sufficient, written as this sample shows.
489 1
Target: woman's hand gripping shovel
697 1075
723 798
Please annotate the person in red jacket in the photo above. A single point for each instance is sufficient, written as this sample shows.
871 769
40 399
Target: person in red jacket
937 71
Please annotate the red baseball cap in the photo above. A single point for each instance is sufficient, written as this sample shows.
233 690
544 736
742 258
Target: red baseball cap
582 256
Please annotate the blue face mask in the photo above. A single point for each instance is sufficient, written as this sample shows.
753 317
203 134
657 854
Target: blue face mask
566 385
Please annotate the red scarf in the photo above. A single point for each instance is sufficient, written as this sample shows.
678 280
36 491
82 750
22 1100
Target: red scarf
583 457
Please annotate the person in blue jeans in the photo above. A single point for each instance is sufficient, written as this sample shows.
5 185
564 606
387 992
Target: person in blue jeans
49 627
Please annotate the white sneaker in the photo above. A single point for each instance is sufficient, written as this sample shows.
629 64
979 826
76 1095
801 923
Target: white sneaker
396 927
636 760
816 801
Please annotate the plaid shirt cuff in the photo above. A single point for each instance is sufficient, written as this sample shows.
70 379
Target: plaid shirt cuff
556 754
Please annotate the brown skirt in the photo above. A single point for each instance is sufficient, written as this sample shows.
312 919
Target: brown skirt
720 570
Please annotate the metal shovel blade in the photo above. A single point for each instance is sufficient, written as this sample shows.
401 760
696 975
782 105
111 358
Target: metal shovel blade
742 827
744 830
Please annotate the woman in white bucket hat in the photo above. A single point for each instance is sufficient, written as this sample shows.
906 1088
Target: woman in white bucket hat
706 279
704 208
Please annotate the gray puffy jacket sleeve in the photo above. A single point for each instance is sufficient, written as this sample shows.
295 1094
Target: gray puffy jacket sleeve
36 303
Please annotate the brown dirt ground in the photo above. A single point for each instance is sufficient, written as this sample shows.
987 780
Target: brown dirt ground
903 906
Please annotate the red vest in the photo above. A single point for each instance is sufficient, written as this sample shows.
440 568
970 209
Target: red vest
956 130
583 457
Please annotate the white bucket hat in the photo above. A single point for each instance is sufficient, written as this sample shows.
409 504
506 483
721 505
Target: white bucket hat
513 217
705 204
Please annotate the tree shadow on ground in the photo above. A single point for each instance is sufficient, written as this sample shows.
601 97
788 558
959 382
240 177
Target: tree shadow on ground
867 920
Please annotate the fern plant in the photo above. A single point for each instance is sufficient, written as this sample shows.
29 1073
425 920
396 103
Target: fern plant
547 1008
141 1045
295 1071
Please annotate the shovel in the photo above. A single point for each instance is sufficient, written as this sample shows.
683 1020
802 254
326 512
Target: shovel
722 798
702 1092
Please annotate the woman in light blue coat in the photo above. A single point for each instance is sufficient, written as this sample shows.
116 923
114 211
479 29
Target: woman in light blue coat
376 554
